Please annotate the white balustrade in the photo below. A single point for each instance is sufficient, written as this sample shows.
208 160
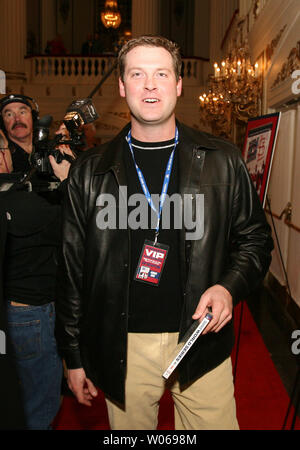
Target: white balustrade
68 69
89 70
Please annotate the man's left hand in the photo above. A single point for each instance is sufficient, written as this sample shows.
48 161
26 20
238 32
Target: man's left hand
219 301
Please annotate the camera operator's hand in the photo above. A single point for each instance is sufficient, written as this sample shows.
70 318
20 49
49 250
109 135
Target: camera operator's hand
64 148
61 170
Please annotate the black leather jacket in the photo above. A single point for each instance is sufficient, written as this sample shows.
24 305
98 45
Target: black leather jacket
93 299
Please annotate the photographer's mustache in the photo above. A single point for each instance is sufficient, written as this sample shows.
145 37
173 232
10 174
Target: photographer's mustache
18 124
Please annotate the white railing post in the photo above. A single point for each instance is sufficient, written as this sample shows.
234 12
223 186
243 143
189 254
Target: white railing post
86 70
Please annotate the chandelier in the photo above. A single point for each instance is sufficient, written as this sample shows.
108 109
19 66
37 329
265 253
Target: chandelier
111 17
234 92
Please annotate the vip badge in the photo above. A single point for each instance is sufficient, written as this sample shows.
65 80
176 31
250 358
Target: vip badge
151 263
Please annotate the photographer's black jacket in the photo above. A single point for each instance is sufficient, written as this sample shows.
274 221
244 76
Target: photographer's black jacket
12 415
235 252
33 239
20 158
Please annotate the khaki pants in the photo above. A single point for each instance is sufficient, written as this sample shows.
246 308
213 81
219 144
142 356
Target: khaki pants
207 404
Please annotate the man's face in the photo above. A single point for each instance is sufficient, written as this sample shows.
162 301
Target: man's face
150 86
17 118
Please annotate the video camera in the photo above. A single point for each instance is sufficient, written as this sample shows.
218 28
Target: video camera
79 113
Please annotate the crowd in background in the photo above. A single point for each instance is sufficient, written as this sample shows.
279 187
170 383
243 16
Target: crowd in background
95 44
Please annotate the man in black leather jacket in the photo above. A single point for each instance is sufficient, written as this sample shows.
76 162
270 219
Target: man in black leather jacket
118 317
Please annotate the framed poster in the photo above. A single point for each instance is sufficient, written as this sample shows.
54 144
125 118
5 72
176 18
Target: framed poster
258 150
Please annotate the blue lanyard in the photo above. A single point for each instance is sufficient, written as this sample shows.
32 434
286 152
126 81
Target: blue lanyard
165 182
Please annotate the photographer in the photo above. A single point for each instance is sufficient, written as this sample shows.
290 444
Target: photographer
30 267
17 116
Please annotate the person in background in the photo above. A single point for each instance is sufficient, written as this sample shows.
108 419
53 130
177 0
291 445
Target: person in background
30 270
86 49
12 415
97 47
18 114
56 47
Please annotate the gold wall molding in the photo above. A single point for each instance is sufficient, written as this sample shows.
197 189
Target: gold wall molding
272 46
292 63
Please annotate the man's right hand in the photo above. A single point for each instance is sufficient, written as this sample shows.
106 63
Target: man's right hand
83 388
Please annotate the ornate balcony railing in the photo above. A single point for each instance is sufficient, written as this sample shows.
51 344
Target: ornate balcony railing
88 70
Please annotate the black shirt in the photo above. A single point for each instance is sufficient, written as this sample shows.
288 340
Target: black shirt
33 237
154 308
20 158
11 406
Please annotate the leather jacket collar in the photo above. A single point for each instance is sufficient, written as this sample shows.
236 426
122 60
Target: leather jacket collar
199 143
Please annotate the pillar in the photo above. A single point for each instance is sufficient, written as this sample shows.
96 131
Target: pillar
13 38
146 17
48 22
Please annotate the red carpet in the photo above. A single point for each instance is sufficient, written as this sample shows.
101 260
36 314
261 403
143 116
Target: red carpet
261 398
